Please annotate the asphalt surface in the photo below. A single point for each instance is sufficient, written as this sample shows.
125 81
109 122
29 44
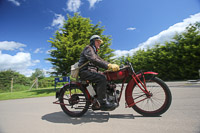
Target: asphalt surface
39 115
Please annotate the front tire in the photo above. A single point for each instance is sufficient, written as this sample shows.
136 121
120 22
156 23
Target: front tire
155 105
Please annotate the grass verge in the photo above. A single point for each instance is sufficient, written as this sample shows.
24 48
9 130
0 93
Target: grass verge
27 94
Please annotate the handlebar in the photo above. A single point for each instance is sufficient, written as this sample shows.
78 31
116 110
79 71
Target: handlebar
131 66
127 64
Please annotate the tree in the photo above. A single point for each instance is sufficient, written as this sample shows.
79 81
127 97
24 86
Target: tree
188 48
70 40
18 79
38 74
176 60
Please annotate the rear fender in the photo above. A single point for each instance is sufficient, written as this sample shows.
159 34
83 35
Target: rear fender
131 84
67 86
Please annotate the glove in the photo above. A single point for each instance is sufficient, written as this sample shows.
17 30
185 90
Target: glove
114 67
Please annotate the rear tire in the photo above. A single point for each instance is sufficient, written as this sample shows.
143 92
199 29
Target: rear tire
74 101
155 105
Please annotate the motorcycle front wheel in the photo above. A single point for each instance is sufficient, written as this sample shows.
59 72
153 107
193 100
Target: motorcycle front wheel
156 104
74 101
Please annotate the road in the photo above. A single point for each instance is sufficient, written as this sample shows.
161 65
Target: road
39 115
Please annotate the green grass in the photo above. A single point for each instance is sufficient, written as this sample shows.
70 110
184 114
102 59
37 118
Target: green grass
27 94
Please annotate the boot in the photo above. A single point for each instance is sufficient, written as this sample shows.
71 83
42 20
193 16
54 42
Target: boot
106 106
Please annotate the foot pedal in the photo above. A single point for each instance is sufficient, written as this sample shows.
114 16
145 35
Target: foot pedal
96 106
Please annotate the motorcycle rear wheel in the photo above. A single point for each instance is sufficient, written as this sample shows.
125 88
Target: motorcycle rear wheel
156 104
74 101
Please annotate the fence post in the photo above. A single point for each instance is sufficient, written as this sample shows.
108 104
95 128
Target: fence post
11 86
34 83
37 83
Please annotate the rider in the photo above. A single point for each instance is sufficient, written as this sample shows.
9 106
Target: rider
90 71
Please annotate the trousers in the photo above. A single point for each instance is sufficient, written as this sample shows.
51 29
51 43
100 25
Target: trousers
97 78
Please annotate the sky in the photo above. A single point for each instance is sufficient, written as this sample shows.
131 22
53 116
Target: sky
27 25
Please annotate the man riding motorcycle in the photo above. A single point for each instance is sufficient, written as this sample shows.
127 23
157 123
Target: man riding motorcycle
90 71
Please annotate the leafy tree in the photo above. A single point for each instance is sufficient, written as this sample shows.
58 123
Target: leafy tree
37 74
18 79
70 40
187 52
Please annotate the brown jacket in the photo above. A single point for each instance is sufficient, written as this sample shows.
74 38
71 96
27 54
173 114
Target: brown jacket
89 54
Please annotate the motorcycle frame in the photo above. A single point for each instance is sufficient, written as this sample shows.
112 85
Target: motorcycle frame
135 80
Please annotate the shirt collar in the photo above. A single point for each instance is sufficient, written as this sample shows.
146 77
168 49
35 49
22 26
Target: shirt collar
95 49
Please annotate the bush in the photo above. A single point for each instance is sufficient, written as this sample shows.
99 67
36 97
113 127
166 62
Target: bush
18 87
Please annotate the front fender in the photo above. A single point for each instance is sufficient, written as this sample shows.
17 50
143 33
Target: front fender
130 86
67 86
147 73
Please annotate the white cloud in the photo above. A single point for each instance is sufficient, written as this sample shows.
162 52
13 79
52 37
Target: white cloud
163 36
6 45
26 72
131 28
93 2
120 53
38 50
73 5
58 21
19 62
36 61
48 71
15 2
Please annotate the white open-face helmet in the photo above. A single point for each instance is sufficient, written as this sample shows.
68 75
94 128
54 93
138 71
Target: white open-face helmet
96 37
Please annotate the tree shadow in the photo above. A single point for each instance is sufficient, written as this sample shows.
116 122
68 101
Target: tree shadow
90 116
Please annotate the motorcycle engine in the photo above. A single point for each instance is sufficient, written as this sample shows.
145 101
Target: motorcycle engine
111 88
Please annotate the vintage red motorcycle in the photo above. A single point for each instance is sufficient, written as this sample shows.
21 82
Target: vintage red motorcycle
145 93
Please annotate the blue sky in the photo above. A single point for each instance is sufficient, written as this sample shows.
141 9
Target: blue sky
26 25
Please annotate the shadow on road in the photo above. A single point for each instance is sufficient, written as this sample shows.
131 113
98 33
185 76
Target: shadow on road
98 117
